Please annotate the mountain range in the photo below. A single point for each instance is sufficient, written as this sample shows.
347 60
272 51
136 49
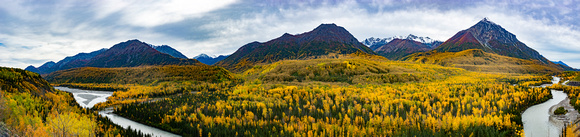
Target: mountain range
66 63
324 40
399 48
375 43
125 54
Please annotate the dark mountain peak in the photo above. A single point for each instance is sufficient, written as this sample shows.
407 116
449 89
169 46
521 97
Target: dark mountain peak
42 68
169 50
490 37
327 27
133 40
285 38
32 69
134 53
323 40
129 42
328 32
287 35
48 64
485 30
130 47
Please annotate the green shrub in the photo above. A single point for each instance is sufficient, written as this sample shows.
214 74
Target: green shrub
560 111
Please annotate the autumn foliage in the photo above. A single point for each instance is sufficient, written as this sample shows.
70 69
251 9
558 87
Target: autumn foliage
454 103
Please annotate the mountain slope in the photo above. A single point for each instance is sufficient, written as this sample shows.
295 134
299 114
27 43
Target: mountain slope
169 50
479 60
135 53
353 70
399 48
490 37
324 40
205 59
18 80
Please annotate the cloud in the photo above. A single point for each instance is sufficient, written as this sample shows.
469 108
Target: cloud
545 36
35 32
150 13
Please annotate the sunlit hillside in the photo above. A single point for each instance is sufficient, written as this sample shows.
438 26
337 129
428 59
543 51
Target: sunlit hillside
29 106
348 69
140 75
480 61
334 98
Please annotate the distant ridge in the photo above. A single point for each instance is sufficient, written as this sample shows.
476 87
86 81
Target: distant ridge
125 54
169 50
66 63
323 40
561 63
205 59
565 66
135 53
375 43
399 48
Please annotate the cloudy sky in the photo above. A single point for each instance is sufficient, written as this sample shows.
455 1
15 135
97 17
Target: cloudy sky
33 32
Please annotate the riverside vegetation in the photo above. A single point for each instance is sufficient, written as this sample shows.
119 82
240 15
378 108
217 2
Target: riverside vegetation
573 93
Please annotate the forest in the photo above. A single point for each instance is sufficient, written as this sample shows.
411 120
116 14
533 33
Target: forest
403 99
459 106
29 106
358 95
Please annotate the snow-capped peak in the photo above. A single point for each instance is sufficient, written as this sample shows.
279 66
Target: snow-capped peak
486 20
420 39
203 55
382 41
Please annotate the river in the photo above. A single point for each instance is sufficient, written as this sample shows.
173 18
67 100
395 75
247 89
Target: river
536 118
88 98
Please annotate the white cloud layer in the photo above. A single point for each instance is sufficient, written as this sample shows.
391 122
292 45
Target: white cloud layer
35 33
150 13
